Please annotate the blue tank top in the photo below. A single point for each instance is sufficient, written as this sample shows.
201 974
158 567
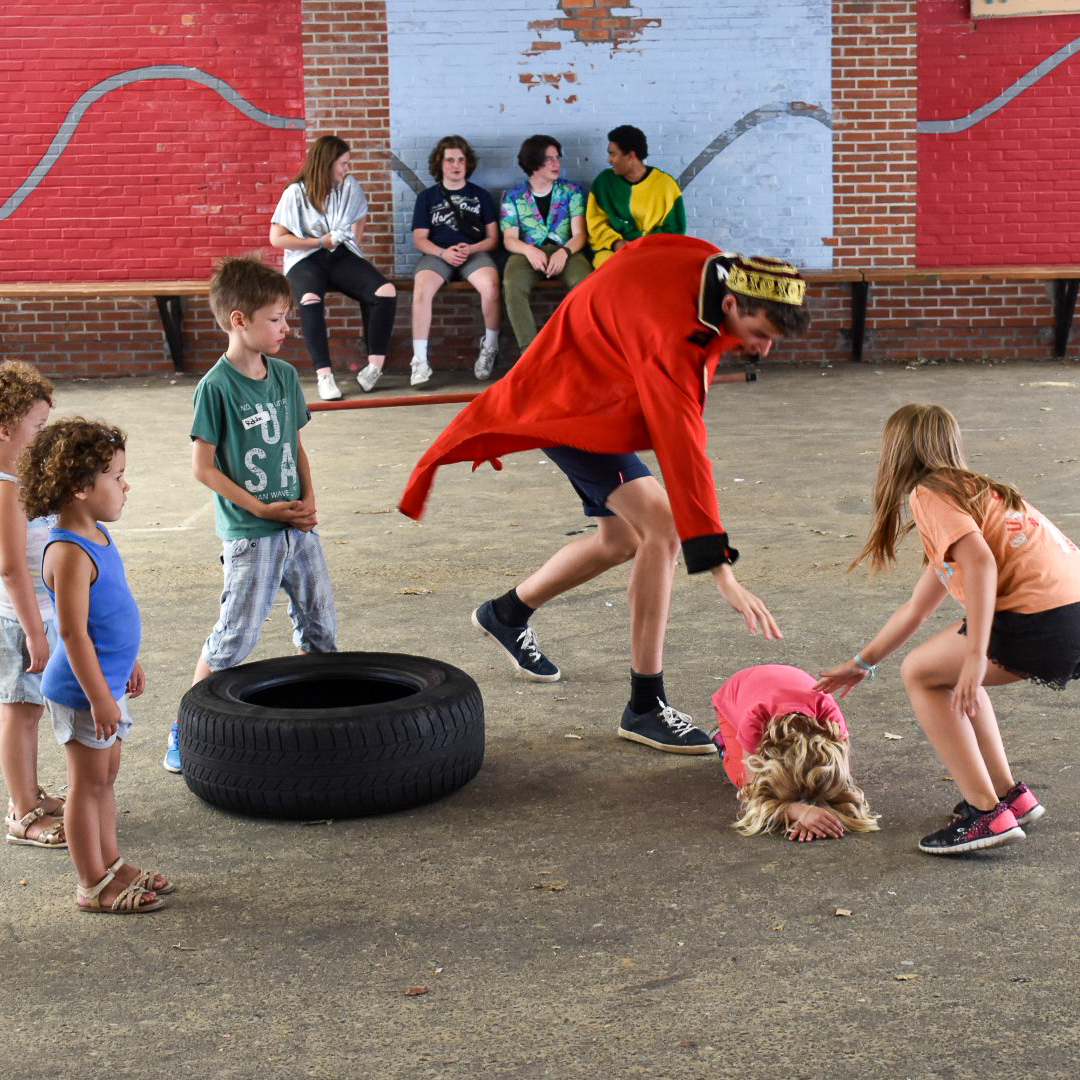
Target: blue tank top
112 623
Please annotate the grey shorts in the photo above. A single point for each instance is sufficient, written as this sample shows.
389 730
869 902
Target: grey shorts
78 724
474 262
16 687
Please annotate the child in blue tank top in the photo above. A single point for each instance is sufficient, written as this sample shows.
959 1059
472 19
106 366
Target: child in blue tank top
75 469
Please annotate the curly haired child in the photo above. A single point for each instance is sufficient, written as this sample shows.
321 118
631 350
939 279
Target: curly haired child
75 469
1017 578
785 747
27 628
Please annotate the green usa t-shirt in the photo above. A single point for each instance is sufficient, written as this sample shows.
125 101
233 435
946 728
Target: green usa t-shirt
252 425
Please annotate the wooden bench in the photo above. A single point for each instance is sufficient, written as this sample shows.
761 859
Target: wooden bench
168 294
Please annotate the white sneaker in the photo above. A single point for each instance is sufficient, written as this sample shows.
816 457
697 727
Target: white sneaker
328 389
421 372
486 360
369 377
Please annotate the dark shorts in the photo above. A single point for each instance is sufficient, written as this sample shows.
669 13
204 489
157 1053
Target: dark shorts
1044 647
596 476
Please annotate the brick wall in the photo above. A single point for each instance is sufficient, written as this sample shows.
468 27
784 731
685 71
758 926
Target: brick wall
872 191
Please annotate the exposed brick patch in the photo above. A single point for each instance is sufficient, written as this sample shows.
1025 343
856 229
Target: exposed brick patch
592 22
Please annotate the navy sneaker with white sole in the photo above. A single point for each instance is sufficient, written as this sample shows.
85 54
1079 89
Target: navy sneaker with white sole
665 728
519 644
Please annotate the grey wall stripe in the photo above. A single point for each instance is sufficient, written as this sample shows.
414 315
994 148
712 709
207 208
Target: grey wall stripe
125 78
950 127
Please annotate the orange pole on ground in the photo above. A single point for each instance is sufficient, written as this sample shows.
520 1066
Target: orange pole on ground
459 399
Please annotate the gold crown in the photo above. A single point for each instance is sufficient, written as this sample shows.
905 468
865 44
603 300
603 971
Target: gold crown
766 279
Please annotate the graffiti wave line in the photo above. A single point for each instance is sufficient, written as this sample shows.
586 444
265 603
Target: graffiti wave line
125 78
741 127
962 123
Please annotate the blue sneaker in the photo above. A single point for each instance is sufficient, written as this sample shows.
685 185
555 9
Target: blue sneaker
172 754
665 728
519 643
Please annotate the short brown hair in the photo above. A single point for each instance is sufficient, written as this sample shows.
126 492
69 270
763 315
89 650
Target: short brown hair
62 459
21 386
792 320
451 142
245 284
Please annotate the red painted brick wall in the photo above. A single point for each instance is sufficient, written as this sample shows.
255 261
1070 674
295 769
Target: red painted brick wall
1004 191
160 177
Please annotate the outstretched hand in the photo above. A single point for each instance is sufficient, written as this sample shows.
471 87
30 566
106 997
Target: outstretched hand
844 677
753 611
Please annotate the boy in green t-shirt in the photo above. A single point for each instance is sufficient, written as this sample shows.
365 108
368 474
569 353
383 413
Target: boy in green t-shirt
246 449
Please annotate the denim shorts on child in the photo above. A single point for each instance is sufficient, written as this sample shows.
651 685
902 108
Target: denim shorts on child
255 569
78 724
16 687
1044 647
595 476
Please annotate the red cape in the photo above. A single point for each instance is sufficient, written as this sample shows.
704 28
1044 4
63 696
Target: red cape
623 365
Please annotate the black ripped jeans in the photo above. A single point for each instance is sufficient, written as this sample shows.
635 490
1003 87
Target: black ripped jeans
341 271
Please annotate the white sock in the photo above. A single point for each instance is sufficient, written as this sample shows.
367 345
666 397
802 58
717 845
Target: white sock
419 349
491 338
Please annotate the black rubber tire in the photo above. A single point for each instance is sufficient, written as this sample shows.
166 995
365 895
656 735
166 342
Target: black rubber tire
332 735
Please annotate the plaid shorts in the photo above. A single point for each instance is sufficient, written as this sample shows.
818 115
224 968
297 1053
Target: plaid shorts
255 569
16 687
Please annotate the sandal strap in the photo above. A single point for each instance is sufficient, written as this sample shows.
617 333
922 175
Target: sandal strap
128 899
92 892
18 828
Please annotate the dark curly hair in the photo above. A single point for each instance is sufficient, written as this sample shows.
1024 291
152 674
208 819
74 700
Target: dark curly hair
627 137
64 458
451 142
21 387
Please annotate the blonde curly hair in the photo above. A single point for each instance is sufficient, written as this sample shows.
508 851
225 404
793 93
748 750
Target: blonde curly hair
800 760
62 459
21 386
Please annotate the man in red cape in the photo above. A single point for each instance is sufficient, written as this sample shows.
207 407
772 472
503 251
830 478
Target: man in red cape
623 365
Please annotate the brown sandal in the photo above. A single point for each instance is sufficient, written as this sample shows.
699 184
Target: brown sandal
127 902
145 879
51 835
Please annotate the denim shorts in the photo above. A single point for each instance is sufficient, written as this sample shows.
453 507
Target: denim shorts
595 476
16 687
78 724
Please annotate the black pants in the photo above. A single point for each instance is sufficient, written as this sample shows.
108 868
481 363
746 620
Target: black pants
341 271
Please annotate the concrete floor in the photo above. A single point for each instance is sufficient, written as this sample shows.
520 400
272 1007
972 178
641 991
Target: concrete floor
582 907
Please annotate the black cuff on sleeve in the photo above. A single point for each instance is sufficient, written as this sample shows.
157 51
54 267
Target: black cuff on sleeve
705 552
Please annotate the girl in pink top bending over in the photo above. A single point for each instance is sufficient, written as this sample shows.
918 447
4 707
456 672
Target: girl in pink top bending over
1018 580
784 745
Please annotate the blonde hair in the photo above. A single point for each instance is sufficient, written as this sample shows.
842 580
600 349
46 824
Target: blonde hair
921 446
800 760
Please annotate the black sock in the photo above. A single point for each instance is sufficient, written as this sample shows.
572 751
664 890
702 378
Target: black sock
645 690
510 611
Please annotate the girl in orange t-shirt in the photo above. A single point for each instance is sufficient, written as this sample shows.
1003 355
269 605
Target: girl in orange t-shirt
1017 578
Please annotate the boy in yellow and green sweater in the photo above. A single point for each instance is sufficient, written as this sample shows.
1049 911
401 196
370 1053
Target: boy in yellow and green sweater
630 199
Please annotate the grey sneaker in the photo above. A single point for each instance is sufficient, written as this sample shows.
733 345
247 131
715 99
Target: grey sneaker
369 377
421 371
486 360
328 389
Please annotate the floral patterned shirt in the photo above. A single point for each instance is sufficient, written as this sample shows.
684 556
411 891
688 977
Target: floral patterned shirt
519 211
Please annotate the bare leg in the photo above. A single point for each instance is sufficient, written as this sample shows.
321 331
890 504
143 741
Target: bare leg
486 282
969 747
201 671
426 284
643 504
18 754
613 543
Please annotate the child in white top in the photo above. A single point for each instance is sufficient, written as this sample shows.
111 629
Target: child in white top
27 627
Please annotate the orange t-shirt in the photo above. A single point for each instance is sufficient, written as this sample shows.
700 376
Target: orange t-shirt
1038 566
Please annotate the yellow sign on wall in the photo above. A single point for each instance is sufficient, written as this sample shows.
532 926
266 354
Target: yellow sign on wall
982 9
